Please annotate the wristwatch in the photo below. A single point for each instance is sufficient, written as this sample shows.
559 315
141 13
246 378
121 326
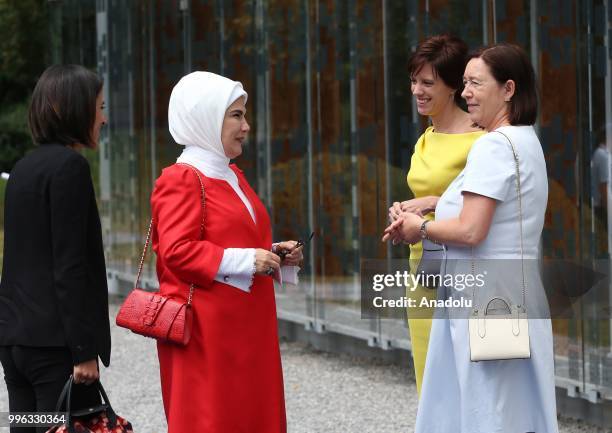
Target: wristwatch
423 229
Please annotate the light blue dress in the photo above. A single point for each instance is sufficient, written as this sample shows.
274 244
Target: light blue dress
509 396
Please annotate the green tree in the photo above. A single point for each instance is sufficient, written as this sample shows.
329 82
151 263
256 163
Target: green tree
24 35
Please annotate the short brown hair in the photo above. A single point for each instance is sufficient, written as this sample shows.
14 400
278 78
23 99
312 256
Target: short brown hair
63 107
447 55
510 62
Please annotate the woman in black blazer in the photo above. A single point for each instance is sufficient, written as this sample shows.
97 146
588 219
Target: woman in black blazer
53 295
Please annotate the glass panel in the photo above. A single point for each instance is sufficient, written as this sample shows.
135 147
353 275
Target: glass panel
70 21
136 145
512 19
402 130
223 42
288 142
238 33
163 63
349 52
463 18
168 52
561 114
119 159
596 324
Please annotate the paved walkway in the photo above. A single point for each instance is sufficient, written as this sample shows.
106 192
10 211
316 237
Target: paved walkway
324 392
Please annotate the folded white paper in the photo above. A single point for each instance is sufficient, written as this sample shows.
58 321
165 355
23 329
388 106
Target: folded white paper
288 274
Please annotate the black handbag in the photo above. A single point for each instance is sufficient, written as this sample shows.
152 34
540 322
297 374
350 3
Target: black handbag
98 419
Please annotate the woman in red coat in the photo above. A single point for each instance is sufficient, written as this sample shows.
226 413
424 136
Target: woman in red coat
229 377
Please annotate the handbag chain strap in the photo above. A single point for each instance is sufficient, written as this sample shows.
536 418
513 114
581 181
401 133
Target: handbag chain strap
520 206
148 240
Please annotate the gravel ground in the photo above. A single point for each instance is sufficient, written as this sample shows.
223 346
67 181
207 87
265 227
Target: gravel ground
324 392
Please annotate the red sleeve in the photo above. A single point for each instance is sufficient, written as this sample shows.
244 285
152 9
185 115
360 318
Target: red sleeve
177 213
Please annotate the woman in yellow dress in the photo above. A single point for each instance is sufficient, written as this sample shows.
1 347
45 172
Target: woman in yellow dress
436 76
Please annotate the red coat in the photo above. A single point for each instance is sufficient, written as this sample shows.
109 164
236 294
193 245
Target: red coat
229 377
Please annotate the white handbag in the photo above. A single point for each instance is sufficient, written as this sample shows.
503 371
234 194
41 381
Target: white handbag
505 335
499 336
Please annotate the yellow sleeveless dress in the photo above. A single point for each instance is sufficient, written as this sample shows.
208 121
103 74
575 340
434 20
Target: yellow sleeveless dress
437 160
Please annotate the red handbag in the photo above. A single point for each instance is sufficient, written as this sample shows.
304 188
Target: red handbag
154 315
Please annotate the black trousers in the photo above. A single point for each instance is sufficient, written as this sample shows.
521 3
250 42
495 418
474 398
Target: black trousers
35 377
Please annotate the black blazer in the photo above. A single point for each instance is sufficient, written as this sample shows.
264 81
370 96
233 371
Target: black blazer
53 291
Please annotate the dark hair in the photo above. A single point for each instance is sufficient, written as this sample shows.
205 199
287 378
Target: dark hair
63 107
447 56
510 62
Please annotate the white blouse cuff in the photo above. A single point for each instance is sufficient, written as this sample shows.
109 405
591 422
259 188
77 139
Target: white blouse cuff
237 268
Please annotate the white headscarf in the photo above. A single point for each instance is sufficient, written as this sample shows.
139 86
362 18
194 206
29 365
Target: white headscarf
195 117
197 107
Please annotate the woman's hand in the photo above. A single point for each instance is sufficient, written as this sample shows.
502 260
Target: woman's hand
266 260
294 255
395 211
86 372
420 206
406 228
393 232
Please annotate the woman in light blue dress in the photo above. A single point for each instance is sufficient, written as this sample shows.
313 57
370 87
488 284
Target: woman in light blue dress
479 219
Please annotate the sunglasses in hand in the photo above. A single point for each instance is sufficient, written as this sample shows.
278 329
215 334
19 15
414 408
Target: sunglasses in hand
300 243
